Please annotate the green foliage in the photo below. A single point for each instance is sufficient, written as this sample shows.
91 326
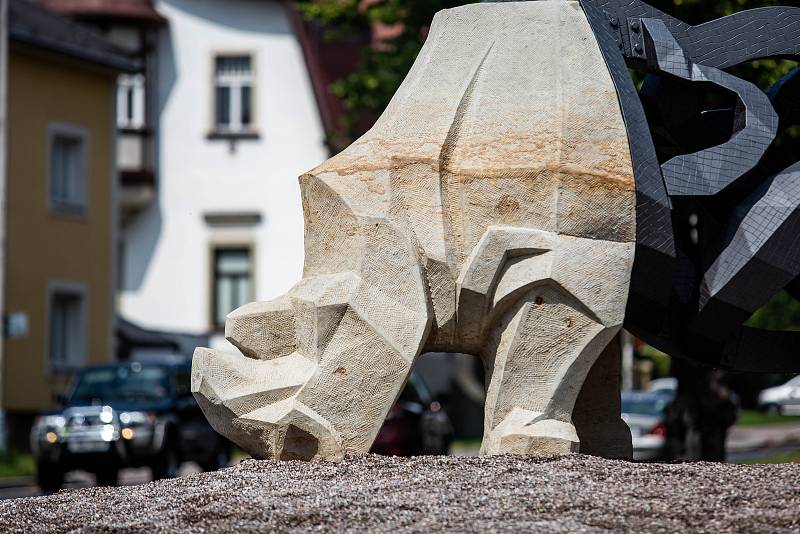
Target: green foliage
661 362
782 312
366 92
758 418
788 458
16 465
238 455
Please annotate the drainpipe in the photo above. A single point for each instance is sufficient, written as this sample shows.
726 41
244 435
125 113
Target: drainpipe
3 170
627 361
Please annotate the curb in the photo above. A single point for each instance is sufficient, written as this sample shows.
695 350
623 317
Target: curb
15 482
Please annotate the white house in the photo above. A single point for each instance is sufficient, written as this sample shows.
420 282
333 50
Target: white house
236 123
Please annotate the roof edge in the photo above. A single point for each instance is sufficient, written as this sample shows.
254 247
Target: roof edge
38 27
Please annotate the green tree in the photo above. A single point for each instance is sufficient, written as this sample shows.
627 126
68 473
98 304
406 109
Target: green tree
366 92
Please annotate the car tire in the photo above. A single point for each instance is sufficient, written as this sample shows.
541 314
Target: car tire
108 476
772 409
49 477
166 463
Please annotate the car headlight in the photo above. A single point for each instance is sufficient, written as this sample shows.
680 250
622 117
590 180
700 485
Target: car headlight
136 418
49 428
50 422
107 415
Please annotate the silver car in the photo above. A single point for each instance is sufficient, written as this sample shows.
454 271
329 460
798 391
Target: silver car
646 416
783 399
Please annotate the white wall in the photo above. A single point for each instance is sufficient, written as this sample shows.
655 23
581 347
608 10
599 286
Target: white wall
167 258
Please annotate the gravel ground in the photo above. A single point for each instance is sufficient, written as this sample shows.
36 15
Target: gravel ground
505 493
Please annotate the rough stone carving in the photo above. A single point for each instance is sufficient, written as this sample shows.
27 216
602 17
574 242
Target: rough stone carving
491 210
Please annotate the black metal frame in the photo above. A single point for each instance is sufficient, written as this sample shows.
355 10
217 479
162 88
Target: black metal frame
753 246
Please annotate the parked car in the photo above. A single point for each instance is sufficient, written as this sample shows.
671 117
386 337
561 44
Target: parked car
416 424
646 416
781 400
139 414
666 386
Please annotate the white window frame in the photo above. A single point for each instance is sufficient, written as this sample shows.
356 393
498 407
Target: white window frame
133 85
234 82
78 360
78 205
230 245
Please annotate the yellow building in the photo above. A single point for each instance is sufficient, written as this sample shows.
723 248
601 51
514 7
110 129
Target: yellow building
60 207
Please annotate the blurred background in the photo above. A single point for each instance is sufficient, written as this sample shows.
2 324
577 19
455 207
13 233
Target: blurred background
150 152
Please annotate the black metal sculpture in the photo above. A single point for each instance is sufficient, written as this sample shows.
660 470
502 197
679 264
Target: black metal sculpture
717 215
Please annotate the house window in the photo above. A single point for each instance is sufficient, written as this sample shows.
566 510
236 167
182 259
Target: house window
68 169
67 336
233 93
233 281
130 101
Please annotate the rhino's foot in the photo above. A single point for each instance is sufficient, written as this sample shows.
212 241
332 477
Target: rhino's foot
255 404
320 368
538 358
526 432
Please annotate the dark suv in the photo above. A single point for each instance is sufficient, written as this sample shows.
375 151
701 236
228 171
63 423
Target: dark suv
132 414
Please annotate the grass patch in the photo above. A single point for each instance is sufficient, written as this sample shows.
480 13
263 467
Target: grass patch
461 447
755 418
787 458
14 465
237 455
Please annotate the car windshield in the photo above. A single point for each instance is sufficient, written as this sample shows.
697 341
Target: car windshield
654 406
128 383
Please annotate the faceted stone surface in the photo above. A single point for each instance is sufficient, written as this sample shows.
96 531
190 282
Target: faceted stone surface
489 211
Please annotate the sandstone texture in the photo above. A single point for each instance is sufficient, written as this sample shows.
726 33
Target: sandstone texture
433 494
490 211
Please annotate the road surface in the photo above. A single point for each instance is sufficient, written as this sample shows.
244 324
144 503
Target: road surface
27 487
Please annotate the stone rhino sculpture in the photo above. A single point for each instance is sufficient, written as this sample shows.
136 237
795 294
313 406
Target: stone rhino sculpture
489 211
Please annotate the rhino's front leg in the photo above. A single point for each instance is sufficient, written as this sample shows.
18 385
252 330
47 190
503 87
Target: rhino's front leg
553 314
322 366
538 358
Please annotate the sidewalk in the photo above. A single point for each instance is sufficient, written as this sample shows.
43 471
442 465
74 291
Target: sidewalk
15 487
750 438
13 482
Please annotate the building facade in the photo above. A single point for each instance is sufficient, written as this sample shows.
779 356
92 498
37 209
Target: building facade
60 205
132 26
228 102
237 125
